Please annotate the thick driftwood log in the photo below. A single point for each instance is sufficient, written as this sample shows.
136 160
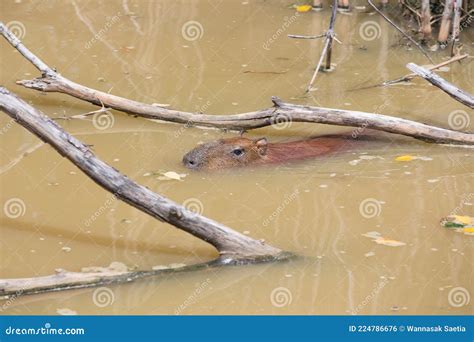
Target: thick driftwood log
449 88
233 247
54 82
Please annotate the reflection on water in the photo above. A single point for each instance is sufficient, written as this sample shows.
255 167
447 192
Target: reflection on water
196 57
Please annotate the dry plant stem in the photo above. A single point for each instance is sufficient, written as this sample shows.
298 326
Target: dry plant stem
425 19
449 88
232 246
401 31
327 46
251 120
409 77
456 24
298 36
445 22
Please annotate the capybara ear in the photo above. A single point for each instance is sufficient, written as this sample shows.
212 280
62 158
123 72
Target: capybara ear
261 145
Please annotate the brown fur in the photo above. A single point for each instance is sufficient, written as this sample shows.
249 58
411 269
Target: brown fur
239 152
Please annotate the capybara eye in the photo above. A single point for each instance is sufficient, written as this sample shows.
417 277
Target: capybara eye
238 152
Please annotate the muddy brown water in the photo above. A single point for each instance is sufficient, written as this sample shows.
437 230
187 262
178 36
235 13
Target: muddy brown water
318 209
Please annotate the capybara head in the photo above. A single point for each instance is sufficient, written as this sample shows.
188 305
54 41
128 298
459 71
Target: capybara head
226 153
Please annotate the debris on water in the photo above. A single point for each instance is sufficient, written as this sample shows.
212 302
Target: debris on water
379 239
66 249
159 267
459 223
434 180
364 157
408 157
176 265
114 266
66 312
434 249
303 8
101 79
246 232
126 221
395 308
171 175
389 242
369 254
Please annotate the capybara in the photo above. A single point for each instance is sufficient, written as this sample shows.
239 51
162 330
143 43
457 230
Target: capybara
239 152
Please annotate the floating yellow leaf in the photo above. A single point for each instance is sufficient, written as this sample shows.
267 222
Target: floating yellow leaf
303 8
468 230
405 158
463 219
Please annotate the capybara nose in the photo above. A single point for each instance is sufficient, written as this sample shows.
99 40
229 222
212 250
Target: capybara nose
189 162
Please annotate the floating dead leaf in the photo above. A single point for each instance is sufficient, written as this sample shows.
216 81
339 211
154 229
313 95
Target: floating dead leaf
379 239
408 157
171 175
457 221
66 312
405 158
303 8
388 242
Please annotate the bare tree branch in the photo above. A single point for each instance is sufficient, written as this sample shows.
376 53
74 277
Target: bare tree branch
449 88
233 247
265 117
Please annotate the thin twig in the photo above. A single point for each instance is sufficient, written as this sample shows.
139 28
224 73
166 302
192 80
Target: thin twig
297 36
327 45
